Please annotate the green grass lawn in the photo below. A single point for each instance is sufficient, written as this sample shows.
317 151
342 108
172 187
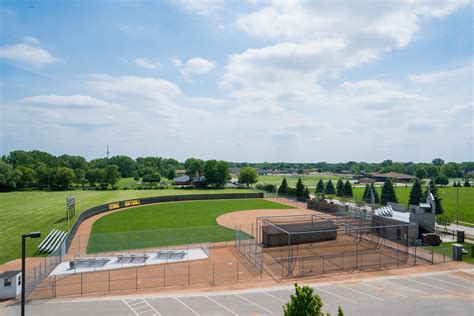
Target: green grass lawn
448 194
167 224
446 248
22 212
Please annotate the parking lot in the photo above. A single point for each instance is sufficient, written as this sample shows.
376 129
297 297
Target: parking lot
440 293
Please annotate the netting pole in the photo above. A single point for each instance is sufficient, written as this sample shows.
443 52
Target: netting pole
164 276
380 259
109 281
237 271
189 274
213 274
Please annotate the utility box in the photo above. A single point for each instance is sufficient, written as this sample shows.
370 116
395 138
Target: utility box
460 236
10 284
457 252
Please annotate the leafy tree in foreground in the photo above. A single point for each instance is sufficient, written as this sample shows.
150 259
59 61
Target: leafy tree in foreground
340 188
299 188
216 172
283 188
415 193
330 188
194 168
438 200
248 176
305 303
442 180
348 189
62 178
388 193
111 175
320 186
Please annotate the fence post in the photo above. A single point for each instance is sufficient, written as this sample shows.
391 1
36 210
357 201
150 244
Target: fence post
380 259
213 274
164 276
34 282
55 285
432 255
323 264
136 279
108 281
237 271
189 274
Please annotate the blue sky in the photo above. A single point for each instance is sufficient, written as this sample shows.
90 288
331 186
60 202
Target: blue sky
239 80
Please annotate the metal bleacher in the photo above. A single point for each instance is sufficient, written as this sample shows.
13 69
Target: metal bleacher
52 241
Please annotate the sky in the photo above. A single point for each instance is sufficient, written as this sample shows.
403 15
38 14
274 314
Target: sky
296 81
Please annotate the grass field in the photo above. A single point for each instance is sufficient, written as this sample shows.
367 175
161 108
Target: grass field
446 248
448 194
309 181
22 212
178 223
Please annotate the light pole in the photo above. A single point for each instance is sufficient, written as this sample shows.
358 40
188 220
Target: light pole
23 277
457 206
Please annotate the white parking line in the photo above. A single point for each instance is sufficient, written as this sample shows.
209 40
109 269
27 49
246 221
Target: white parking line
227 309
385 290
334 294
125 302
433 286
274 296
154 309
261 307
410 288
458 277
192 310
466 287
360 292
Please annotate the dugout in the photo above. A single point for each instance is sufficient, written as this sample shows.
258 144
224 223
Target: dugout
277 235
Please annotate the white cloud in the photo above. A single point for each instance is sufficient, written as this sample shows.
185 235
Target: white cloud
70 100
194 66
428 78
201 7
145 63
32 40
25 53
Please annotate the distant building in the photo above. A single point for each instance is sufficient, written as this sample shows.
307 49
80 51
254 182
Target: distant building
234 170
180 172
399 177
365 181
185 180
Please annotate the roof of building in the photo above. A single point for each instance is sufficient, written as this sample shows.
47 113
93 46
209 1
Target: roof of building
9 274
387 211
425 205
393 175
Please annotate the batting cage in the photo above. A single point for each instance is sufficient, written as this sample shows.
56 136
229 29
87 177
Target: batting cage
312 244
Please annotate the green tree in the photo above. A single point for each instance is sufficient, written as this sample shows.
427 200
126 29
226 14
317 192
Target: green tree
329 188
216 172
305 303
432 171
320 186
388 193
248 176
438 200
194 168
420 173
153 177
451 170
340 188
366 196
111 175
9 177
442 180
171 174
125 164
348 189
443 220
415 193
466 184
80 177
306 193
299 188
94 176
62 178
283 188
437 161
28 176
376 193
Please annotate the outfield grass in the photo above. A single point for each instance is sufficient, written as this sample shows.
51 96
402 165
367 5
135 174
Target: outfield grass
448 194
178 223
22 212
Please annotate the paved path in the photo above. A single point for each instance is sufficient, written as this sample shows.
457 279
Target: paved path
437 293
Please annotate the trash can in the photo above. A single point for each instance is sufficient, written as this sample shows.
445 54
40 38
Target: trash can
460 236
457 252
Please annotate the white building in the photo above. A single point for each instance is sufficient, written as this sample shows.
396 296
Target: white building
10 284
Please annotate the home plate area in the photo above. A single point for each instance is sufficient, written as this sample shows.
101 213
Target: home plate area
128 260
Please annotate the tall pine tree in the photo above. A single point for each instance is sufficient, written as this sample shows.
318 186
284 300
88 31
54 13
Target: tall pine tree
348 189
415 194
376 194
388 193
306 193
367 196
299 188
283 189
320 186
340 188
330 188
434 190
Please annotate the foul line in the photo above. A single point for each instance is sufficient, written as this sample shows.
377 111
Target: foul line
192 310
347 299
357 291
227 309
261 307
